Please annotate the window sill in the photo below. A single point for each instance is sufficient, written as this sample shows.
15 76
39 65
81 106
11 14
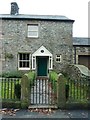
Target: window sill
32 37
23 68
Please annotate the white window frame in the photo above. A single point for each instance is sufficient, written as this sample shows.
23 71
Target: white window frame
50 63
23 68
32 30
58 56
33 62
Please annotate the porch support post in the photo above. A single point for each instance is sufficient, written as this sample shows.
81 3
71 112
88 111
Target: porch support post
25 91
61 93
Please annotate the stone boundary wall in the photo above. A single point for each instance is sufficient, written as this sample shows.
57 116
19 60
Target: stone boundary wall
77 72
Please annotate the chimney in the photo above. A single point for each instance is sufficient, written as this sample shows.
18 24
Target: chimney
14 8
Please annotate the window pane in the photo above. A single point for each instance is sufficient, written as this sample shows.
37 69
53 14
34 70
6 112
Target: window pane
32 27
20 64
20 56
32 34
27 64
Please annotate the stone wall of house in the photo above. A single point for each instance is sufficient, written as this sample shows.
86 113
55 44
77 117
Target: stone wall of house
56 36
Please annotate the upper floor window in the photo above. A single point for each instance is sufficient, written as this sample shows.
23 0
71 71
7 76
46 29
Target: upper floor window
32 30
24 61
58 58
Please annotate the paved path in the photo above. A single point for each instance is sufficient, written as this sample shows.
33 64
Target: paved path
57 114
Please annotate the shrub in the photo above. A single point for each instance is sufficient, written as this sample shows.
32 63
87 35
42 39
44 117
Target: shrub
13 74
18 90
31 76
53 76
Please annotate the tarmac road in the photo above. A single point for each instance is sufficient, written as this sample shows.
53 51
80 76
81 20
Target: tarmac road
55 115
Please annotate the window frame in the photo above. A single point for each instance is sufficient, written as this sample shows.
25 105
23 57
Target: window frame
50 62
28 31
58 56
23 68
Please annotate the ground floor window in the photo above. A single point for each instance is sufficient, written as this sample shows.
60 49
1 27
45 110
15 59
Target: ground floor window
23 61
58 58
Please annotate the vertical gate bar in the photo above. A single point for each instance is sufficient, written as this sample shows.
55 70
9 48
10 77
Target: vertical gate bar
50 93
30 94
36 92
32 85
39 91
46 92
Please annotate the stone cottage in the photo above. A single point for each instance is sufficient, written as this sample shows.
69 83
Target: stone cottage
35 42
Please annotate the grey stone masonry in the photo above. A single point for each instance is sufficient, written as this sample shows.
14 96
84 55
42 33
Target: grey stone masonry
55 35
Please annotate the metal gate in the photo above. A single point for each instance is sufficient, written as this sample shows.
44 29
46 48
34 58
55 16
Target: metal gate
43 92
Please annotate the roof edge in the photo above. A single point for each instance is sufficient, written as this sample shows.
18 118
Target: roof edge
36 17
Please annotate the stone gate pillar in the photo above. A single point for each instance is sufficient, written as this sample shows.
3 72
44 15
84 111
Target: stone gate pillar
61 93
25 91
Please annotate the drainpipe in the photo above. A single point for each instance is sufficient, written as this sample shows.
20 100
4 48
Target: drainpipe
74 54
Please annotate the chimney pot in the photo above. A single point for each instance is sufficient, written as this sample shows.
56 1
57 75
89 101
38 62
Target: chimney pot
14 8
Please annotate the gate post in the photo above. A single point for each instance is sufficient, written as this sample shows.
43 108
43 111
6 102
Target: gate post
25 91
61 95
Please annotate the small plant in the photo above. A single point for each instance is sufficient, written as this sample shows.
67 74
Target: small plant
9 55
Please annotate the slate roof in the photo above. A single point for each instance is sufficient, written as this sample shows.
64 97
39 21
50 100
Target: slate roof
36 17
81 41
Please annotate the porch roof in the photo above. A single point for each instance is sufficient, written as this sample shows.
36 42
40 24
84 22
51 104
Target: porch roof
42 51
